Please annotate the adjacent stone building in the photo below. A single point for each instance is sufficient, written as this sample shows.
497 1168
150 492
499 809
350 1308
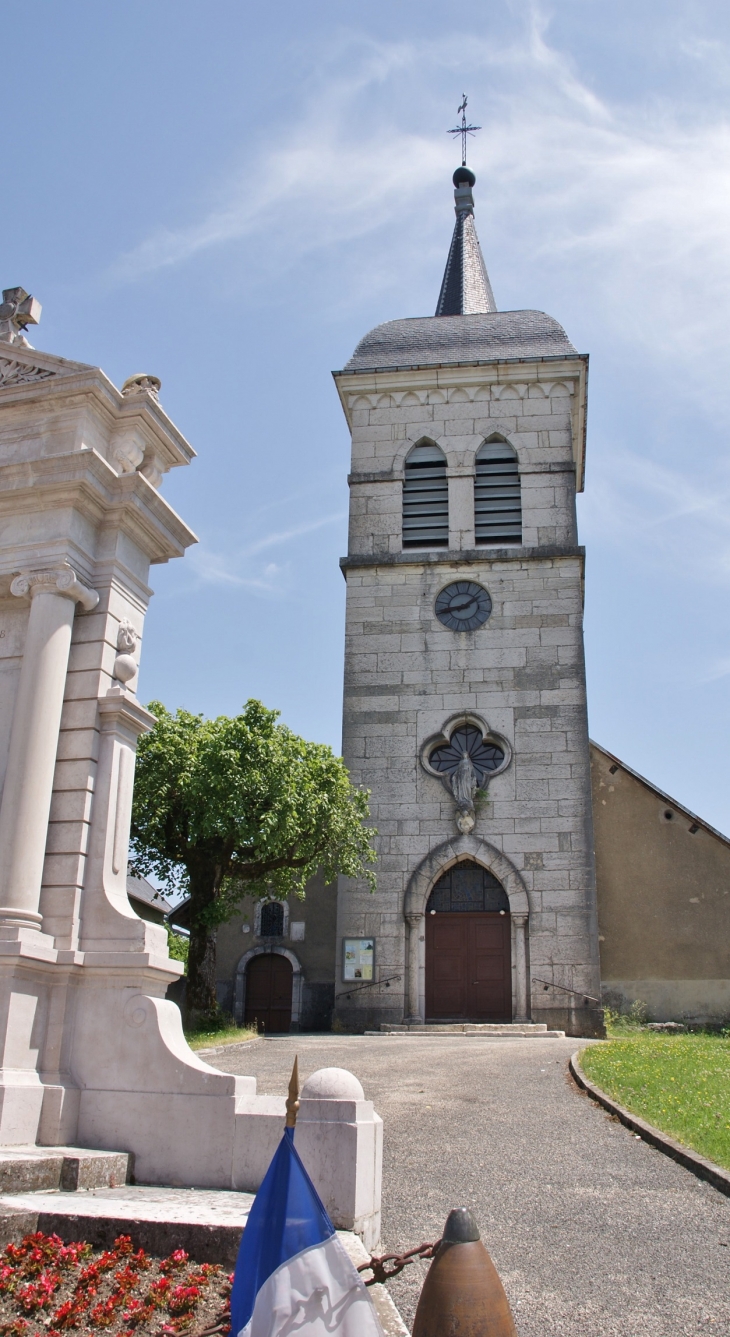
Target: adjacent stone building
275 960
663 899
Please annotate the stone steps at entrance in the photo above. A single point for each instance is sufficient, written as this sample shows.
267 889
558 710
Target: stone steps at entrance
509 1030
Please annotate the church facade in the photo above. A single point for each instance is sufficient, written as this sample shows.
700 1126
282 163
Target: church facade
465 699
524 875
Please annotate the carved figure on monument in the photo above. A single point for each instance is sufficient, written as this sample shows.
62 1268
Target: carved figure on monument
142 384
125 665
464 785
17 312
465 757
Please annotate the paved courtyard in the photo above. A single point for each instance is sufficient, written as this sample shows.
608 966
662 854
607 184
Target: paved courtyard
593 1232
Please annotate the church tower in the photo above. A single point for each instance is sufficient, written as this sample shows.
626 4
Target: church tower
465 695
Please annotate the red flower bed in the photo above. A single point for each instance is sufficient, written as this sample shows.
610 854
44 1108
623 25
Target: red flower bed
52 1289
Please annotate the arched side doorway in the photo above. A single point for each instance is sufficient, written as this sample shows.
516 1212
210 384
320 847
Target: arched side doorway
468 947
269 990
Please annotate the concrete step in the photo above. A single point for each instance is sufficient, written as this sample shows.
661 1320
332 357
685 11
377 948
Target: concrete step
207 1223
489 1030
28 1169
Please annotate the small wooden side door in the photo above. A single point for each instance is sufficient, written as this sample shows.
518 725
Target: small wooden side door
269 993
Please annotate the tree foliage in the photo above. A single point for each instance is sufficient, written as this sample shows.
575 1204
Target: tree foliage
238 806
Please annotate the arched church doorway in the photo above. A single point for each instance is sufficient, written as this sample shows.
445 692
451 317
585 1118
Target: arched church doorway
468 954
269 993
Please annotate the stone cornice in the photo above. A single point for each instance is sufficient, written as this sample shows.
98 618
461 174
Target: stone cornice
83 481
396 475
41 382
119 707
470 376
454 558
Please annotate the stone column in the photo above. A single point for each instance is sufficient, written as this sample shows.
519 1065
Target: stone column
415 925
521 995
26 799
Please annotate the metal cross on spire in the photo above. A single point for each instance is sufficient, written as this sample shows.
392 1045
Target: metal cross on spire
463 129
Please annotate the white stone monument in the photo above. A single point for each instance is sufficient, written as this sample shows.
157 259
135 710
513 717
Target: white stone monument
92 1053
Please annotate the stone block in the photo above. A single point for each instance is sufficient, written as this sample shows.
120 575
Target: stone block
66 869
67 837
71 805
75 744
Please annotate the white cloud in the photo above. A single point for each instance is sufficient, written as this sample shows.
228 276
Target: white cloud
285 536
629 201
238 567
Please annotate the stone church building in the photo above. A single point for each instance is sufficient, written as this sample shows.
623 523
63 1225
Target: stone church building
465 716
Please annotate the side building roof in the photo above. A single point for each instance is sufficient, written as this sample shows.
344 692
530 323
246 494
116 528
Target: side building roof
139 889
666 798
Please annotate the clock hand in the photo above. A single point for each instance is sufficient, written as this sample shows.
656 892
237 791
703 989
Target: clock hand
457 608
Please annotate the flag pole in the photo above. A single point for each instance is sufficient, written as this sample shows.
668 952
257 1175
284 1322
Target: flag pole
292 1102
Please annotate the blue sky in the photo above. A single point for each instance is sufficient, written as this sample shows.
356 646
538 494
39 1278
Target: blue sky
230 194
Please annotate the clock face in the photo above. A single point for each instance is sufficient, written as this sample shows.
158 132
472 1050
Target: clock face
463 606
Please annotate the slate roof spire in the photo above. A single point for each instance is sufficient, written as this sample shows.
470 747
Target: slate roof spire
465 290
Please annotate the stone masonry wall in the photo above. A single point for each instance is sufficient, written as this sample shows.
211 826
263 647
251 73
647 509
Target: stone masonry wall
522 672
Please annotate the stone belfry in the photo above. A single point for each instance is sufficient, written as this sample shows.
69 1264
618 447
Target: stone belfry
465 696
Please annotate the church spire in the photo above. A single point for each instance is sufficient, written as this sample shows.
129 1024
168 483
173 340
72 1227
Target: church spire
465 290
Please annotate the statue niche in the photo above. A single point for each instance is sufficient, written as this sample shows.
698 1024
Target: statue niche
465 758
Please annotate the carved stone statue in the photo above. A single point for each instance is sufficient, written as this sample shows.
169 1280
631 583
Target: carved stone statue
126 637
17 312
142 384
125 665
464 785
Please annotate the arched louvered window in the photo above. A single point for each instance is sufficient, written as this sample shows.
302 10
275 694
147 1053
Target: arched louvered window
497 502
425 498
272 920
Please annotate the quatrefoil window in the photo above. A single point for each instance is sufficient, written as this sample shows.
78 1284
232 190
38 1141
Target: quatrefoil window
486 755
464 758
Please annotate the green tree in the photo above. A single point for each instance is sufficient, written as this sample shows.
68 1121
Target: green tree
227 807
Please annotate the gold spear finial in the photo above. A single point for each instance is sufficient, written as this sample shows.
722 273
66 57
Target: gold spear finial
292 1102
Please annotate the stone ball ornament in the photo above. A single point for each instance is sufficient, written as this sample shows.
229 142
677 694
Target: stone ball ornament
125 667
332 1084
465 757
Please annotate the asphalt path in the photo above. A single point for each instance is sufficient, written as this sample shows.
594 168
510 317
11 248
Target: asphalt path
593 1232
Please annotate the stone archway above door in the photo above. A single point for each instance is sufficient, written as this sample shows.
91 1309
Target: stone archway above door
297 980
421 882
471 846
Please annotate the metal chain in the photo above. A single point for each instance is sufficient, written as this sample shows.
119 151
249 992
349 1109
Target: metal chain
398 1260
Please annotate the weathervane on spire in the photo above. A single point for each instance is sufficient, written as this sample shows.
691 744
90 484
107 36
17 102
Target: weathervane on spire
463 129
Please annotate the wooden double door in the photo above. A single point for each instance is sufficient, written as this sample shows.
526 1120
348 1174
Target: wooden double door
269 980
468 967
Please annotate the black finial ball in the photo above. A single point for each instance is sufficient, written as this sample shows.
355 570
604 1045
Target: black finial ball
460 1228
463 177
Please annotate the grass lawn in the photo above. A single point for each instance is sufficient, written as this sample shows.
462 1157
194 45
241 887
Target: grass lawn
679 1083
232 1035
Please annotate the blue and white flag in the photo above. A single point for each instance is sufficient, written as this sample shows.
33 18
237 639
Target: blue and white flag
293 1275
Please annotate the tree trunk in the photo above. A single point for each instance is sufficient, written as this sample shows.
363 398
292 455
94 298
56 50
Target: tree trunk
201 1001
